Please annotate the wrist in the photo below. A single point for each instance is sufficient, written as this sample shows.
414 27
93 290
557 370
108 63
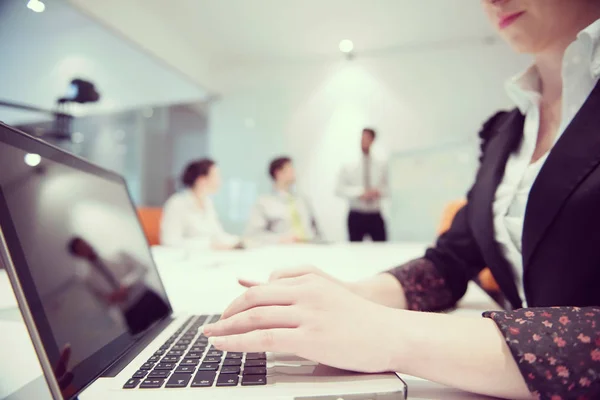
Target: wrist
399 344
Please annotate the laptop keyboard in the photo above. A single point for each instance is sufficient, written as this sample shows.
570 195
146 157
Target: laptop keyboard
187 360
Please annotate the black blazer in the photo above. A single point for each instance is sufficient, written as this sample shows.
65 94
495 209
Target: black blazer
561 234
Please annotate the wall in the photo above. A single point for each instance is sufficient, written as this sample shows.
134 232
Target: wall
314 111
149 147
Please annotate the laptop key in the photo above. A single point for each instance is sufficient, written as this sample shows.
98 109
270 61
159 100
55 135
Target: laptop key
255 371
159 374
208 367
237 363
179 381
215 353
165 367
230 370
254 380
227 380
256 356
212 359
190 361
204 379
140 374
159 352
169 359
234 356
198 349
178 353
147 367
255 363
131 384
153 359
185 369
179 347
194 354
153 383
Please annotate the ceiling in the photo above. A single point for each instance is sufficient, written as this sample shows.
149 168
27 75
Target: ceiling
197 35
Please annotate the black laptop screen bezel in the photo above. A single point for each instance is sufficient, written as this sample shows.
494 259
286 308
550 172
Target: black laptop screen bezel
92 367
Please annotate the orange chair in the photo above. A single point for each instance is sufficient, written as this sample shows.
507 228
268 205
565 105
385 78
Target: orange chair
150 219
486 279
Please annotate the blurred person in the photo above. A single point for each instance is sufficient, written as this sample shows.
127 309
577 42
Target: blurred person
189 218
363 184
119 282
531 216
282 216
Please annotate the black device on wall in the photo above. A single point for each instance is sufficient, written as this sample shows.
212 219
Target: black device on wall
79 91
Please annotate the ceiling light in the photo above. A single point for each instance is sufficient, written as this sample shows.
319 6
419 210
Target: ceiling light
33 160
346 46
36 6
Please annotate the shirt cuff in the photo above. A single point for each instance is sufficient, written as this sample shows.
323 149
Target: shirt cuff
424 286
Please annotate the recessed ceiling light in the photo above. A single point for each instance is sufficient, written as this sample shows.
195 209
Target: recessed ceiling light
36 6
346 46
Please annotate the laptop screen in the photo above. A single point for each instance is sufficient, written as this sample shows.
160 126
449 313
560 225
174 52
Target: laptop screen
80 255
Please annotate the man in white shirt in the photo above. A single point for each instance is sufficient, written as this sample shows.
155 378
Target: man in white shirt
364 183
282 216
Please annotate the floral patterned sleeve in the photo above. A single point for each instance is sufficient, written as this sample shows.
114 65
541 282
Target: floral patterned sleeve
557 349
424 287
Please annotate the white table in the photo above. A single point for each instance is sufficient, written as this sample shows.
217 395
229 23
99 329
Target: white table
205 282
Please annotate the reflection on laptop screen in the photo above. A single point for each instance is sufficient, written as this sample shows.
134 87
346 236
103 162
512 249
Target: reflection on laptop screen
80 255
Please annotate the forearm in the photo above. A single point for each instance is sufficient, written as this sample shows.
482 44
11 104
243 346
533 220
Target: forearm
384 289
467 353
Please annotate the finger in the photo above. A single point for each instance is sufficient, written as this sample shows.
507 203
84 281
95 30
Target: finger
248 283
264 295
292 273
271 340
259 318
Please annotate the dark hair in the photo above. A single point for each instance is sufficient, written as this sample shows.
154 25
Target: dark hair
73 243
371 132
195 170
278 164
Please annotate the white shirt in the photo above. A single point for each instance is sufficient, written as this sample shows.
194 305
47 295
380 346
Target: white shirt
186 224
352 183
581 72
125 270
272 218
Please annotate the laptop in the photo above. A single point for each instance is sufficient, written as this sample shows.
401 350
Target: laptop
95 306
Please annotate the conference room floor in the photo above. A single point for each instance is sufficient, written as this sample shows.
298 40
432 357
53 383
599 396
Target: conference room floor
205 282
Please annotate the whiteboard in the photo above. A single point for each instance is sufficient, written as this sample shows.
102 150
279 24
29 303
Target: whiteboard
423 182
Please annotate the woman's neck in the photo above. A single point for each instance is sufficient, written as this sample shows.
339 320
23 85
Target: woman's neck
200 194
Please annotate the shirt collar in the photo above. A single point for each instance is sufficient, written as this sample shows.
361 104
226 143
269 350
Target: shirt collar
524 88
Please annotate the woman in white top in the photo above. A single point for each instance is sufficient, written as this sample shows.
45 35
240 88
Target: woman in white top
532 217
189 217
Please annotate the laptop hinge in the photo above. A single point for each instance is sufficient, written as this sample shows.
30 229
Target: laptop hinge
136 349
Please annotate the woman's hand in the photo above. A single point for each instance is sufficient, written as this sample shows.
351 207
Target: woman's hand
312 316
293 273
383 289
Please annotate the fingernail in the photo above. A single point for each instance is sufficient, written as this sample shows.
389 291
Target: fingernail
206 329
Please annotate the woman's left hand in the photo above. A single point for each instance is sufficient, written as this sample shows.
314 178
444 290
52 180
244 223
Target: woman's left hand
313 318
